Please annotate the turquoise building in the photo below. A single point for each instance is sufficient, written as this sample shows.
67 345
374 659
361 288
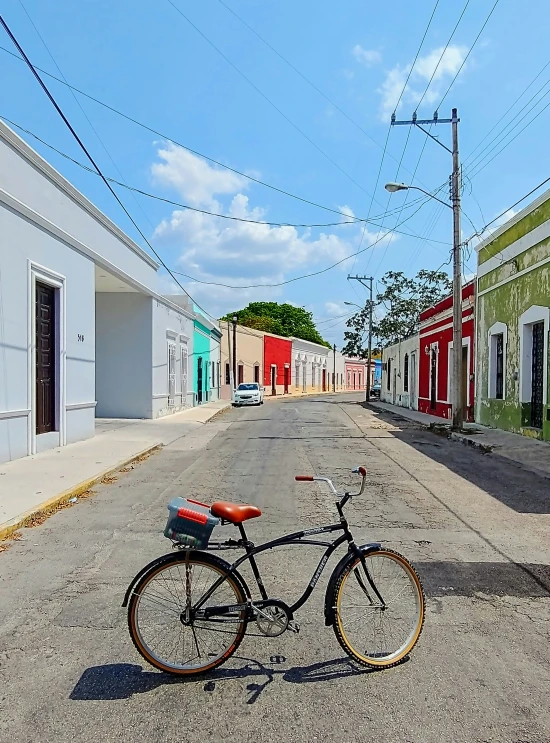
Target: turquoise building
206 360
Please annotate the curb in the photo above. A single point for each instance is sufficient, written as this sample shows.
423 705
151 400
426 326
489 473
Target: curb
8 527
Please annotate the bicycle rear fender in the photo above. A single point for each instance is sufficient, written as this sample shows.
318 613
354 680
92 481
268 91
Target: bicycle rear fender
330 596
177 557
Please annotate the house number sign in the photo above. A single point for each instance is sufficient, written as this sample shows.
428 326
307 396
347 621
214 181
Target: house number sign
80 338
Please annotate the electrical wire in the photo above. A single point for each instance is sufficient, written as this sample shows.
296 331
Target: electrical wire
156 132
468 54
90 158
442 54
266 98
192 208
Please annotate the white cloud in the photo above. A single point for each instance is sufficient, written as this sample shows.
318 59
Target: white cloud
237 253
425 67
367 57
192 177
335 309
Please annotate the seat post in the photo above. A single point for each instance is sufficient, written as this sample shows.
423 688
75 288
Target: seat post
249 547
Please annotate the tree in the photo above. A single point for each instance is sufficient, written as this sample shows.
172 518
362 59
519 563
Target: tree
279 319
402 300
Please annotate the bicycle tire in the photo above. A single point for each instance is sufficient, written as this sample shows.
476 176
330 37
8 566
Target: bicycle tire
342 625
196 560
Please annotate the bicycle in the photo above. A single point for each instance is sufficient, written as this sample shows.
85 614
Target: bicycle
188 611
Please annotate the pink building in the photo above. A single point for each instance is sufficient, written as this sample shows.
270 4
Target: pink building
356 372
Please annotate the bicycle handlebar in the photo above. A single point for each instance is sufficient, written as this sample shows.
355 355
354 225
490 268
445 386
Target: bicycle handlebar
311 478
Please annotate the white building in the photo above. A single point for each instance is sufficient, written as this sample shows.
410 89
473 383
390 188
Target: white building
83 330
400 373
311 370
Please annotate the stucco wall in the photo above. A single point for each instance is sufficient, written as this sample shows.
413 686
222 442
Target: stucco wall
308 361
201 355
31 180
124 327
505 303
277 352
393 361
250 351
170 327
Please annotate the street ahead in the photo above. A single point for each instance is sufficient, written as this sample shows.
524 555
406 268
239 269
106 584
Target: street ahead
476 527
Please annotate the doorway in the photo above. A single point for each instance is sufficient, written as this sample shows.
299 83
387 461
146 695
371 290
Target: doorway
465 376
433 378
46 371
412 382
199 380
287 379
273 380
324 380
537 375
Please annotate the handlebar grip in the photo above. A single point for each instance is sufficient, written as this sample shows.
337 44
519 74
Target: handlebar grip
304 478
362 471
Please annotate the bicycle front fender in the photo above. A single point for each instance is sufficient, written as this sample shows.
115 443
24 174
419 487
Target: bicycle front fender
177 557
330 596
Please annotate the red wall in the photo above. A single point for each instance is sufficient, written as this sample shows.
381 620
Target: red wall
277 351
440 331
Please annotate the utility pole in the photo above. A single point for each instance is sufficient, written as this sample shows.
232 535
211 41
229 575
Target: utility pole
334 368
234 321
457 381
361 280
231 377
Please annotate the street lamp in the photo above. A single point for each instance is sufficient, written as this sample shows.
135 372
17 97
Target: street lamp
352 304
456 392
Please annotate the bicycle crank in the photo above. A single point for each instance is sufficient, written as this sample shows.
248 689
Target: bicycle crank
272 618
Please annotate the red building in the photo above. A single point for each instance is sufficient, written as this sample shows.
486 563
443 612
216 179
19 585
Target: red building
277 359
436 349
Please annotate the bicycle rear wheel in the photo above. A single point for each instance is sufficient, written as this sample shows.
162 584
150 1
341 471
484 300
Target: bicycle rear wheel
158 603
376 635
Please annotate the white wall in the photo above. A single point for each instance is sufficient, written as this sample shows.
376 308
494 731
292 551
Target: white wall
311 358
28 178
22 247
396 394
123 355
215 356
170 326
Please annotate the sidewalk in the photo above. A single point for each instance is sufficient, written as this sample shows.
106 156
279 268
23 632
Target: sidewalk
34 484
530 454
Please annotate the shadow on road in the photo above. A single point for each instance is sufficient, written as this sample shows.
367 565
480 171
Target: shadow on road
521 580
503 480
123 680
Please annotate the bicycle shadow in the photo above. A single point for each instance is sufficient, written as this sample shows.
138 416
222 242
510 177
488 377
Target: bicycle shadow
122 680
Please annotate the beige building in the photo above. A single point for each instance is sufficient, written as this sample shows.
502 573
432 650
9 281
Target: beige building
250 357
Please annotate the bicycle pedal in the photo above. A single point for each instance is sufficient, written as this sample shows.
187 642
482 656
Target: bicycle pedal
294 627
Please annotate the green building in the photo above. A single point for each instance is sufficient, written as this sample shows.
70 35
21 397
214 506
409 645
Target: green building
513 320
206 360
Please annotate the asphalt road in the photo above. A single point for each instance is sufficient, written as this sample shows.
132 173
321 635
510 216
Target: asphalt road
476 527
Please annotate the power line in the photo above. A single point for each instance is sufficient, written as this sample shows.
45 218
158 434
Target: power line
188 207
312 84
442 54
468 54
508 111
265 97
152 130
89 156
296 278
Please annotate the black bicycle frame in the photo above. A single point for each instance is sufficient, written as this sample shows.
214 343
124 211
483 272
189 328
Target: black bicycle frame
295 538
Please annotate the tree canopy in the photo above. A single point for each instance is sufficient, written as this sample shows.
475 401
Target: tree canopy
401 302
279 319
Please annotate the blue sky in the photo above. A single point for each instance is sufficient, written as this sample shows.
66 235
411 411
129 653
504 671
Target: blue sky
148 61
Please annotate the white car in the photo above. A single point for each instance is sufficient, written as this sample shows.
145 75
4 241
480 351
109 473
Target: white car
248 393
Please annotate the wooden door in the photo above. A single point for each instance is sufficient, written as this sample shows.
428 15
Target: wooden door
412 382
465 382
537 375
287 380
45 359
324 380
199 379
273 380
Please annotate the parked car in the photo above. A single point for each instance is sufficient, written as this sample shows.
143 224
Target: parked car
375 390
248 393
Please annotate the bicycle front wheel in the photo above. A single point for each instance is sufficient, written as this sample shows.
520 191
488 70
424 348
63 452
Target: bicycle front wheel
375 634
157 622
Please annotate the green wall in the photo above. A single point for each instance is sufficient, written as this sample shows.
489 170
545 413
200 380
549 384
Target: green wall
506 303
